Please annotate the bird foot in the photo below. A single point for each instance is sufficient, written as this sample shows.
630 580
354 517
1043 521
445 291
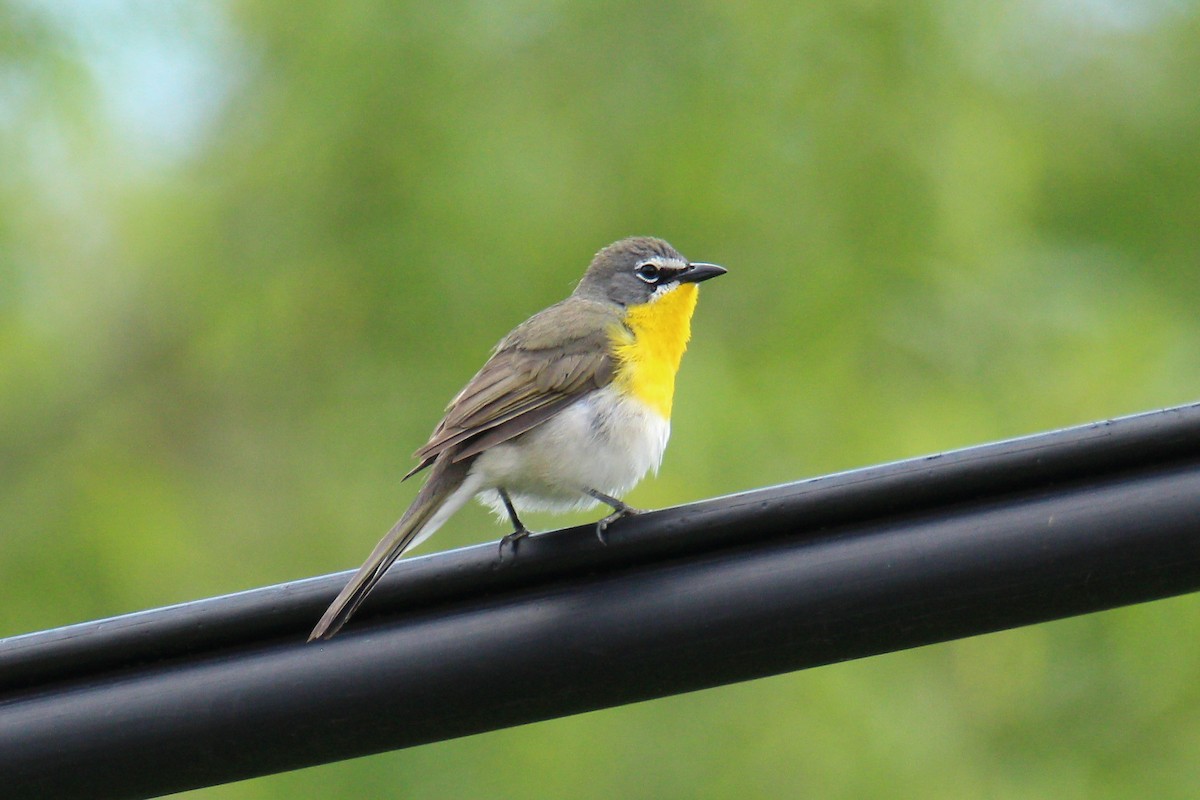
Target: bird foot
619 512
510 540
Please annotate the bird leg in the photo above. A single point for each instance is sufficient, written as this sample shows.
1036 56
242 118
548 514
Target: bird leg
519 530
619 507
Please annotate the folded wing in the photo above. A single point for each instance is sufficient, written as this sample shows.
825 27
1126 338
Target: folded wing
550 361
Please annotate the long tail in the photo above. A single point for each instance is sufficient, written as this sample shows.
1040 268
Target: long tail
442 495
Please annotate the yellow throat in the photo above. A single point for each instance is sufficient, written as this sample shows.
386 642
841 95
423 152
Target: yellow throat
650 344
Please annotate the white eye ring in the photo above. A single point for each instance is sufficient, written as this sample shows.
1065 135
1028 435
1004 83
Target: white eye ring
648 272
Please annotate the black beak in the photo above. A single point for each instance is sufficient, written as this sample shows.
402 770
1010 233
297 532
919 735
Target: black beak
699 271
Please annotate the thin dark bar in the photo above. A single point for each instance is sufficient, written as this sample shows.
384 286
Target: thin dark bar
730 589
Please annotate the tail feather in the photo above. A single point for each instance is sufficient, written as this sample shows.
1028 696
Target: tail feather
444 482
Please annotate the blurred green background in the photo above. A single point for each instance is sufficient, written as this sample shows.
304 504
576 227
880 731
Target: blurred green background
248 250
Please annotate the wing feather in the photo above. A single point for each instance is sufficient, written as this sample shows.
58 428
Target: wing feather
550 361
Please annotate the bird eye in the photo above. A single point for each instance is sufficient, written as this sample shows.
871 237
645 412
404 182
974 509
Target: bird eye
647 272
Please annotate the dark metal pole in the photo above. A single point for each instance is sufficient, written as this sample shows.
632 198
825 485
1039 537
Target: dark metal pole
730 589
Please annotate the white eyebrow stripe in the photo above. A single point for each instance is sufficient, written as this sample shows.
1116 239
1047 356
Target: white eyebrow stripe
668 263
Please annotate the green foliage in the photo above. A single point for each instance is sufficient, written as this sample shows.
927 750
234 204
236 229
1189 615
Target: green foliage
247 252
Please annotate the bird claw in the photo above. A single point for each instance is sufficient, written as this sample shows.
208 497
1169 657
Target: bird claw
620 512
511 540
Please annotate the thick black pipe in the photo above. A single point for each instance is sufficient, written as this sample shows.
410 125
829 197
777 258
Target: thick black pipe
731 589
1083 454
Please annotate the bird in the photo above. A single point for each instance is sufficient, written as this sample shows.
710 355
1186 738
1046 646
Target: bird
570 411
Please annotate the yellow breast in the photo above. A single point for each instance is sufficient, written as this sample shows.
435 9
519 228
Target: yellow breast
650 344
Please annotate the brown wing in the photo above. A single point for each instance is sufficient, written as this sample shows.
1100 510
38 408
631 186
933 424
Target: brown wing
544 365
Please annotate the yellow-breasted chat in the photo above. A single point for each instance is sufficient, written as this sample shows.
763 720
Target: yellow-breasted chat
572 408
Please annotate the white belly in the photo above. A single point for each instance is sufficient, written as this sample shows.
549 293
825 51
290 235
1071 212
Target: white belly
604 442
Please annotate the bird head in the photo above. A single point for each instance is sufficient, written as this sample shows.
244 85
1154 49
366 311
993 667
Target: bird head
639 270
